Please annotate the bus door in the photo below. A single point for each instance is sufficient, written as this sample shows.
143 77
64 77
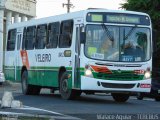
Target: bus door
76 61
17 54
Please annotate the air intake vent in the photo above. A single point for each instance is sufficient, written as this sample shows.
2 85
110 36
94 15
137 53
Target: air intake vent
121 86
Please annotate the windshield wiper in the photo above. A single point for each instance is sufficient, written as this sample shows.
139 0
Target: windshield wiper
107 32
130 32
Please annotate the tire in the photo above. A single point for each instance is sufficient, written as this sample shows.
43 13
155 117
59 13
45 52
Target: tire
26 88
120 97
140 96
66 93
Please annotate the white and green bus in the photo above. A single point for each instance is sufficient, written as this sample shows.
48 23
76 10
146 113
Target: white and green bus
94 50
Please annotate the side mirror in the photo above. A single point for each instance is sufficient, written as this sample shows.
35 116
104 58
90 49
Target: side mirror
82 37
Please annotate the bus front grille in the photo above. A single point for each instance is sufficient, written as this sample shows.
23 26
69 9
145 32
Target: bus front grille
119 76
115 85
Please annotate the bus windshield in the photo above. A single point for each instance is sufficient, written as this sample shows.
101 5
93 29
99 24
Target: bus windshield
118 43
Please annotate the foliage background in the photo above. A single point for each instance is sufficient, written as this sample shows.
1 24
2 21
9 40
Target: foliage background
151 7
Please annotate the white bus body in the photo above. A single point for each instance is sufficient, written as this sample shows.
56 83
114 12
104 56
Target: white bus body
63 52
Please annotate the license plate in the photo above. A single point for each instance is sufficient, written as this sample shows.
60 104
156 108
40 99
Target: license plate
158 91
127 58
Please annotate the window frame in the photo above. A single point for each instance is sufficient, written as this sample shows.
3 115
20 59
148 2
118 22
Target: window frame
9 40
64 34
33 38
57 30
46 37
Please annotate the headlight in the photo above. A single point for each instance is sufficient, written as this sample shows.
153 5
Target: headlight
88 73
147 74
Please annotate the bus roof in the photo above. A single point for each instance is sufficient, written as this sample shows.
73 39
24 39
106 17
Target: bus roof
72 15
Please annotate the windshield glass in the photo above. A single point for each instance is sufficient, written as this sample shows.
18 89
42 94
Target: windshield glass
115 43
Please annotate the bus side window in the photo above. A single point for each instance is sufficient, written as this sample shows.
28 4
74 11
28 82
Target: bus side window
30 38
66 34
11 40
41 37
53 34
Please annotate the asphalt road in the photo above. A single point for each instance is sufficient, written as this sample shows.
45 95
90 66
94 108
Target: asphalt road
87 107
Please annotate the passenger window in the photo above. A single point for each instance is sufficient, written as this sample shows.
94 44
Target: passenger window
30 38
66 34
11 40
53 34
41 37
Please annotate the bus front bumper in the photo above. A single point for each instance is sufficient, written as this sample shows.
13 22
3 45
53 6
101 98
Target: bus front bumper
93 84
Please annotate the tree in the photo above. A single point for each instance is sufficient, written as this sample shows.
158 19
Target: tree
152 7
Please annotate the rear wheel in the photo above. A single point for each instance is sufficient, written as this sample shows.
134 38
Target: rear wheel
65 92
26 88
120 97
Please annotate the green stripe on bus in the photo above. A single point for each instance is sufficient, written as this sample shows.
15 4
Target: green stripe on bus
124 75
42 76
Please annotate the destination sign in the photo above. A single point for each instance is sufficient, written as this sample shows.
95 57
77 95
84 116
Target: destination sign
118 18
122 19
97 18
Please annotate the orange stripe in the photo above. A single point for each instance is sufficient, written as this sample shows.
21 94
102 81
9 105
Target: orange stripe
24 57
101 69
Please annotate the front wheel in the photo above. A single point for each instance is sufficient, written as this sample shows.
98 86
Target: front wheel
120 97
65 92
140 96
